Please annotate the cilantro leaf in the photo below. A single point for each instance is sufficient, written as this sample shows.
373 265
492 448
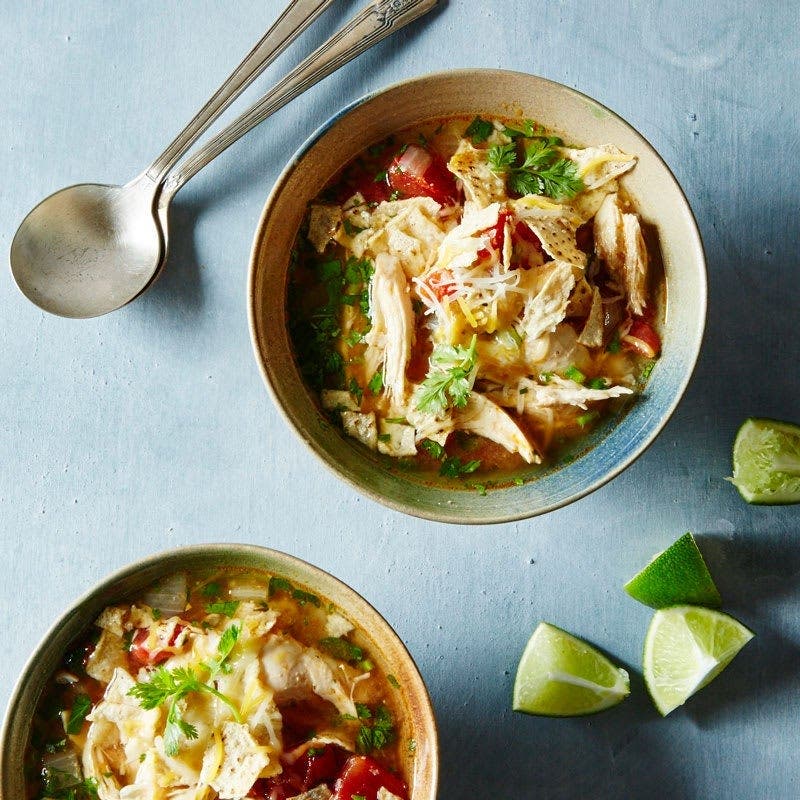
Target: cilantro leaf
227 608
541 171
376 383
450 378
80 708
434 448
479 130
502 157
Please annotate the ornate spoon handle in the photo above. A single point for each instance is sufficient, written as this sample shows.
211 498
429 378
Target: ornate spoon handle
368 27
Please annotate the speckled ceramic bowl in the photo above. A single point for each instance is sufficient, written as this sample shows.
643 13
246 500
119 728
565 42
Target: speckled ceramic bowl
577 118
383 643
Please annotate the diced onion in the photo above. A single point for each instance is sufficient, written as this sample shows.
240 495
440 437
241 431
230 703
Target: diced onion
62 769
168 596
415 161
248 591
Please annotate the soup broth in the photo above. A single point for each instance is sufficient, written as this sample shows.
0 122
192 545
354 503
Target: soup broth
471 297
220 685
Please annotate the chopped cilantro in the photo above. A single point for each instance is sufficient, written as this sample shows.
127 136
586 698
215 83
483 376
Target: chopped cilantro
376 383
156 613
227 608
597 383
80 708
376 734
412 746
363 711
545 377
211 589
384 437
453 468
518 481
572 373
479 130
342 649
614 346
434 448
587 418
396 195
396 420
392 681
380 176
480 488
278 584
646 370
355 390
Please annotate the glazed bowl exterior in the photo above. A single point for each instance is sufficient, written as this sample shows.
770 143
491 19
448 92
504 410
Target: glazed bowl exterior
385 648
576 118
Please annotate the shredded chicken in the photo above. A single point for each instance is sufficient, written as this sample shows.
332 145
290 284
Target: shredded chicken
392 333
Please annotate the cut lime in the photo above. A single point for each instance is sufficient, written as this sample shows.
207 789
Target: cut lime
562 676
678 576
766 461
686 647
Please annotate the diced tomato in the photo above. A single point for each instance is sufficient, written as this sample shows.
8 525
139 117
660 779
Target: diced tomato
363 776
498 236
277 788
374 187
442 284
523 231
316 766
141 656
420 172
642 339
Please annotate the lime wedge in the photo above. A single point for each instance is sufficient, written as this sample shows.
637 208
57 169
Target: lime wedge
678 576
686 647
562 676
766 461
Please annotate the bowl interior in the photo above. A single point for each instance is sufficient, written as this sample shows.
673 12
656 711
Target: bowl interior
384 647
576 118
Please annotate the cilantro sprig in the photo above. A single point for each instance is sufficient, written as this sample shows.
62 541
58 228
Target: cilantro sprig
173 685
541 172
450 378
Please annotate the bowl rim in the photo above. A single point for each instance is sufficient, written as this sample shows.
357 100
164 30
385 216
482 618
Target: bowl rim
167 558
442 514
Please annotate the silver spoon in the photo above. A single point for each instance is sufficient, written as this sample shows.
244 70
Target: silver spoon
90 249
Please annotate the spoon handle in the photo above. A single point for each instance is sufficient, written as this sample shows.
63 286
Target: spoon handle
297 16
368 27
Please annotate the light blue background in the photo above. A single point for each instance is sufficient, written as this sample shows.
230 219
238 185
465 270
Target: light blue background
151 428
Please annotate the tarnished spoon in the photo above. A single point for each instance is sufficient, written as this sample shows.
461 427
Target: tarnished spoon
90 249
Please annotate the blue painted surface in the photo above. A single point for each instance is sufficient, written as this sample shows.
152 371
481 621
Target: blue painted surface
151 428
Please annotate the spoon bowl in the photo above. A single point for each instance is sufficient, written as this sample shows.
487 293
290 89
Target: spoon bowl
89 249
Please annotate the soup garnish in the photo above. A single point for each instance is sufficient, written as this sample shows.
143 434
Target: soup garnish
238 684
472 296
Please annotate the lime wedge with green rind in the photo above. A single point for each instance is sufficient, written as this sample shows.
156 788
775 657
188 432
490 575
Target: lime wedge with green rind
766 462
560 675
677 576
686 647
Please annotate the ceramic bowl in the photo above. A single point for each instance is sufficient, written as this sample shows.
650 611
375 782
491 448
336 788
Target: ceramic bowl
575 117
383 644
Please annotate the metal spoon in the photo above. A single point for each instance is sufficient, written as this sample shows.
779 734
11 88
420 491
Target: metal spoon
90 249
